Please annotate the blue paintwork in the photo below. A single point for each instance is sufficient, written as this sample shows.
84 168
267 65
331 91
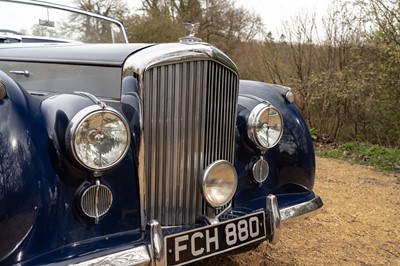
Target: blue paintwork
39 182
292 161
19 197
130 106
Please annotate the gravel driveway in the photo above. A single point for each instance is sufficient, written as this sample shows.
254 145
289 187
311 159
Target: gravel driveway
358 225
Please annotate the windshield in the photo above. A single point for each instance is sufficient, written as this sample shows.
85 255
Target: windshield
35 21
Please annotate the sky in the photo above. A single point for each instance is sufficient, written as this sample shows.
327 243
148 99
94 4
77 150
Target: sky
273 12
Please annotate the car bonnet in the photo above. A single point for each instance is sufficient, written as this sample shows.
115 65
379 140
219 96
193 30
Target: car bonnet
87 54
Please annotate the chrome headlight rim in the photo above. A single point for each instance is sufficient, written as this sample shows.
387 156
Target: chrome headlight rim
253 121
206 174
75 124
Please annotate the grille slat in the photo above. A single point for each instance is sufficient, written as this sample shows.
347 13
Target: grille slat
189 121
168 113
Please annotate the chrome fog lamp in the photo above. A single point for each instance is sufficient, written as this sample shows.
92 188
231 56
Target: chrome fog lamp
96 201
260 171
265 126
219 183
98 138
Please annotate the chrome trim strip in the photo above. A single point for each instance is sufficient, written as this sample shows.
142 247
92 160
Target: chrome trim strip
133 256
300 209
25 73
92 98
172 53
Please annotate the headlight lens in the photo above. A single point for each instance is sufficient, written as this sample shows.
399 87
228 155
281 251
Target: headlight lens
219 183
265 126
99 138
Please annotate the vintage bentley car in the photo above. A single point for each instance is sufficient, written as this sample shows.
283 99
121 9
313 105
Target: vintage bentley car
122 154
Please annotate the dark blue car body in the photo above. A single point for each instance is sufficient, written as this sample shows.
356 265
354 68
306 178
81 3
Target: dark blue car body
41 186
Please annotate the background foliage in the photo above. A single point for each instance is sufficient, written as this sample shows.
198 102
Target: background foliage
346 81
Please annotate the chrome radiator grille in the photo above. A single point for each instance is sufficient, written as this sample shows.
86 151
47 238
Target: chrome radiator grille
189 121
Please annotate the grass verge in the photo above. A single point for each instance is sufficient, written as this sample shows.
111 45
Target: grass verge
381 158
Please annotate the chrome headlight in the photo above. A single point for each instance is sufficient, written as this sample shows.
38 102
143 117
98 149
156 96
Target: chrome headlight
219 183
98 138
265 126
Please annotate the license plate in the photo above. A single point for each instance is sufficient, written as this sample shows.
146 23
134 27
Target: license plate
207 241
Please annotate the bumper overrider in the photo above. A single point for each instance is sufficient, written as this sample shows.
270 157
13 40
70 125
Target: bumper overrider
230 231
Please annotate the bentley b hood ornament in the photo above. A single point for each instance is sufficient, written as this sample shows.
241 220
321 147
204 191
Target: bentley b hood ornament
192 28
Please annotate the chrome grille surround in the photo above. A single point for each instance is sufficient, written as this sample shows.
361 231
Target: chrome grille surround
188 108
187 128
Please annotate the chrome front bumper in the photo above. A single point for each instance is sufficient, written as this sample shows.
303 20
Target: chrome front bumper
153 254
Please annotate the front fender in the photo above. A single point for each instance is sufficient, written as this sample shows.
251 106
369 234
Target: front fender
20 199
291 161
39 184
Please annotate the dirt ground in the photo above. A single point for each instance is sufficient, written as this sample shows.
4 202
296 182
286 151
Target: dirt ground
358 225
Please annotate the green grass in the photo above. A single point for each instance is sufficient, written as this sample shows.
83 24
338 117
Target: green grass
381 158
